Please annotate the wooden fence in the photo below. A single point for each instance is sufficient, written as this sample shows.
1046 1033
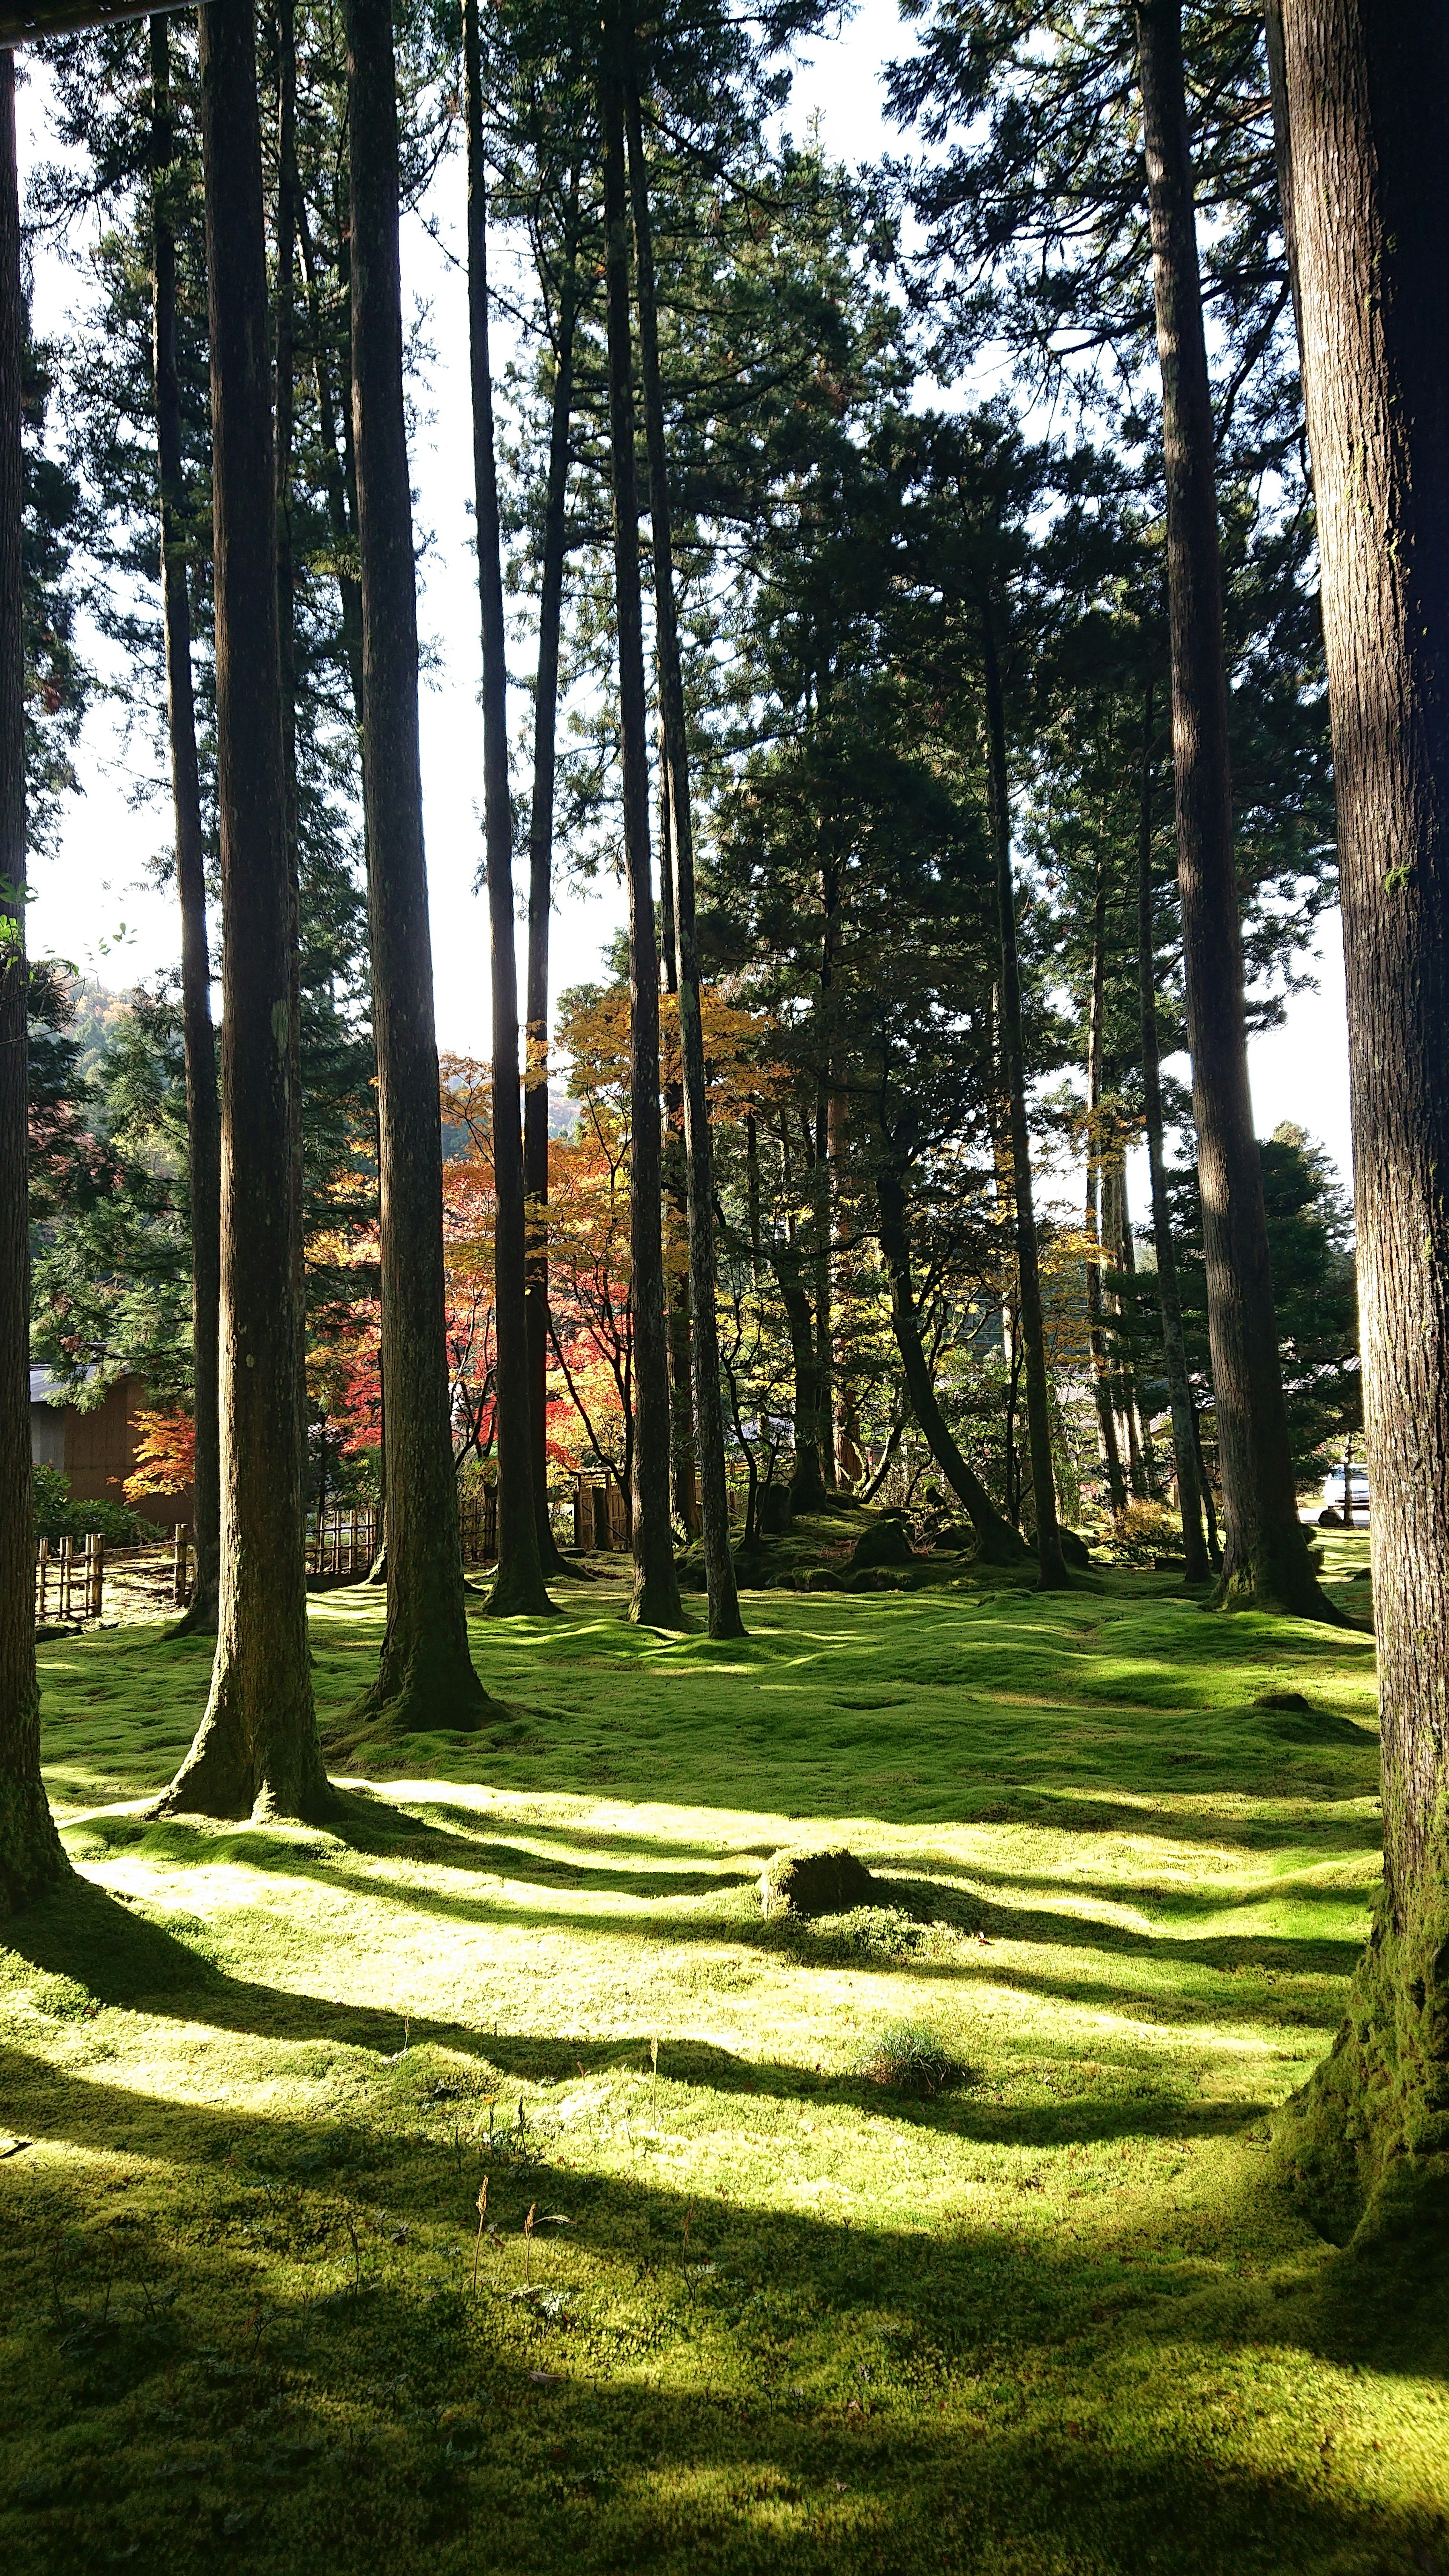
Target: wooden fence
601 1514
341 1544
81 1578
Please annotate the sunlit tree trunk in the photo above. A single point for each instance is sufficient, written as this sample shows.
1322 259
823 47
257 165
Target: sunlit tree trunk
1184 1443
256 1750
1368 110
540 879
425 1678
1096 1338
1266 1556
518 1585
656 1583
997 1543
1033 1329
31 1857
724 1605
203 1109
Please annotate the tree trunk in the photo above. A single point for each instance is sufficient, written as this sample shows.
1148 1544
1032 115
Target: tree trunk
203 1109
1266 1558
1038 1404
285 407
540 886
1117 1233
1368 97
1096 1339
31 1856
256 1749
807 1481
656 1601
518 1585
1184 1445
425 1679
719 1570
997 1543
334 474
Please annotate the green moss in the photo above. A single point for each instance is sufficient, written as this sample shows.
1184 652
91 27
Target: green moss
1057 2321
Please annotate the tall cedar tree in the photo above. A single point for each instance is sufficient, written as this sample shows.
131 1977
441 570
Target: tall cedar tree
425 1678
1266 1556
518 1584
256 1749
656 1601
1179 1390
724 1603
203 1107
540 861
1038 1400
1368 106
31 1857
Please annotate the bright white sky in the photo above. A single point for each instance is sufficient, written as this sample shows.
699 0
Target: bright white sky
92 888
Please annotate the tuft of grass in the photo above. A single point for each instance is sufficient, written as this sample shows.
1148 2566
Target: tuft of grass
908 2057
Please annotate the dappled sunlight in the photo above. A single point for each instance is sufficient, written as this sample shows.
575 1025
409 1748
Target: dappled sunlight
288 2055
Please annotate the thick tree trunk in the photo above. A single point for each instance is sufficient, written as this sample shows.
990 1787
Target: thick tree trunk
997 1543
1179 1392
256 1750
425 1679
1368 98
31 1857
203 1108
1266 1558
1038 1403
656 1584
518 1585
1096 1338
719 1570
540 882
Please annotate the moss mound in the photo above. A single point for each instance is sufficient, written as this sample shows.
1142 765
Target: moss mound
816 1882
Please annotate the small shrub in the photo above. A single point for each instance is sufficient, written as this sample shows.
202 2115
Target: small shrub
58 1514
909 2058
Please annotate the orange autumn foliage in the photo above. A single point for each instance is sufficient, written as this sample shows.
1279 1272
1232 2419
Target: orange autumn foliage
165 1456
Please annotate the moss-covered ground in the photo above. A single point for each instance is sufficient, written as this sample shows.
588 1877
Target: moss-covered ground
774 2313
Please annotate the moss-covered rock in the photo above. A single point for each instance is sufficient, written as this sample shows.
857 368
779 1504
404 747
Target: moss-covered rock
816 1882
884 1543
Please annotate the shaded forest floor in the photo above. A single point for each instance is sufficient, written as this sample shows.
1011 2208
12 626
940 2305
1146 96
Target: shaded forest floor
773 2314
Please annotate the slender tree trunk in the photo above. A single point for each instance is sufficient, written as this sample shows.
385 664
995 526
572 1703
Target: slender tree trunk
425 1677
31 1856
807 1482
1184 1444
285 407
256 1749
683 1474
518 1585
1096 1339
540 881
997 1543
656 1584
1266 1557
724 1605
1038 1405
334 474
1368 103
203 1109
1117 1233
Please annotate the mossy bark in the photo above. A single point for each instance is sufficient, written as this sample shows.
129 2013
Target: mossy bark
1368 100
